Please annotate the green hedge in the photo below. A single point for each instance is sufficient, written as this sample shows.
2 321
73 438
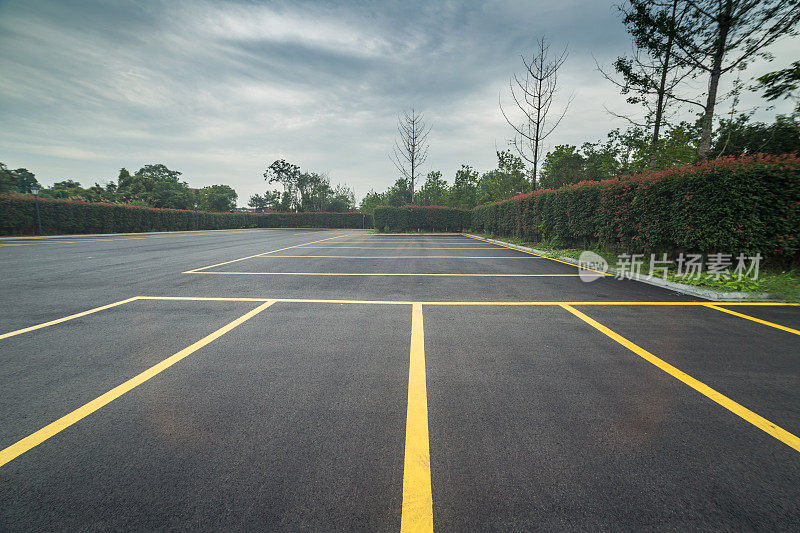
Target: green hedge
18 217
426 218
729 205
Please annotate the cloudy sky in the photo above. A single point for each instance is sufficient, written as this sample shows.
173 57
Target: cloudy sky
219 90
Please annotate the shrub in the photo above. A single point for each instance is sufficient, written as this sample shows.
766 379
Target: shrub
749 204
18 217
414 218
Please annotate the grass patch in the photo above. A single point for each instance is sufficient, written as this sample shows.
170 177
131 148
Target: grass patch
783 284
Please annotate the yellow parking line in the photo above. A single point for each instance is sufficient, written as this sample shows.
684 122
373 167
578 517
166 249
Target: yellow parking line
737 409
197 270
417 512
754 319
64 319
393 274
437 241
409 302
404 256
407 248
34 243
532 253
34 439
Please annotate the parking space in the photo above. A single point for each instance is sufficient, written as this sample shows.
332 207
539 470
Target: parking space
396 256
387 386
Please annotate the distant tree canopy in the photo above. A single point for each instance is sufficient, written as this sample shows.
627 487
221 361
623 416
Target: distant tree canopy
469 189
216 198
302 191
153 185
16 181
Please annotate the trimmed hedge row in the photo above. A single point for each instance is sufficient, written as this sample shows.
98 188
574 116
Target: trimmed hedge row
414 218
729 205
18 217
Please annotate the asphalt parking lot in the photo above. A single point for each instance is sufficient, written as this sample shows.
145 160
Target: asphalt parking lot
339 380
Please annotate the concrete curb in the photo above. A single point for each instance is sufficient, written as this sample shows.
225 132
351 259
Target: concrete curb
691 290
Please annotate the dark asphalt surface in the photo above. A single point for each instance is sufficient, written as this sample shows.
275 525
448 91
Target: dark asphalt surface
295 419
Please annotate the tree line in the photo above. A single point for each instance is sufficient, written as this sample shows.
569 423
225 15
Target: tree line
151 186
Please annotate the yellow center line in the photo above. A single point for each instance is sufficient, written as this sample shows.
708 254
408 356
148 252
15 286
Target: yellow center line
735 408
197 270
754 319
417 513
64 319
34 439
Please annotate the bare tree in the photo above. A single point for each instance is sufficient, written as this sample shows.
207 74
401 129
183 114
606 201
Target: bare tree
411 151
533 93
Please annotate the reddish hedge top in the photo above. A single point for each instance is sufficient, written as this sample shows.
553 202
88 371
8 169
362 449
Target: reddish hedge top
721 163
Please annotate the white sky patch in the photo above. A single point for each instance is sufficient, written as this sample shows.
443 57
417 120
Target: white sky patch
261 23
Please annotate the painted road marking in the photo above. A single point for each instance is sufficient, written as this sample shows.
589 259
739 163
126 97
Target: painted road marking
737 409
80 239
537 255
754 319
373 302
197 270
417 513
395 274
408 248
64 319
456 303
433 241
403 256
34 439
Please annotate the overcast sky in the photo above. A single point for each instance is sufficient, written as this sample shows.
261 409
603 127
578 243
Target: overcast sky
219 90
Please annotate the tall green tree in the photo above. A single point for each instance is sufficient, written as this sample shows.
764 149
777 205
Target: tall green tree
782 84
372 200
341 199
66 184
216 198
509 179
7 179
155 185
23 179
434 191
651 74
718 36
400 193
464 192
739 136
288 175
561 166
270 200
